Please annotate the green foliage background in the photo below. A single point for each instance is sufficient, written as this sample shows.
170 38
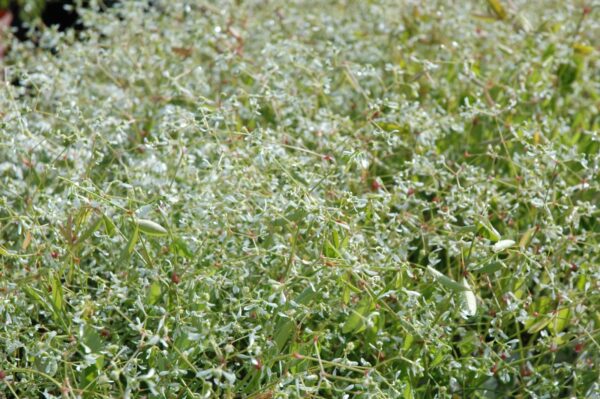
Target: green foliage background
248 198
28 9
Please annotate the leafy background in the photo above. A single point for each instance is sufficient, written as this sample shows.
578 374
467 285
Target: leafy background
353 199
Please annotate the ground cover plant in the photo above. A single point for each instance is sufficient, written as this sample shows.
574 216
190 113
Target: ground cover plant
289 199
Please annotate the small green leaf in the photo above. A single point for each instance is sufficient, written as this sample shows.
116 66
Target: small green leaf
408 341
346 295
524 241
498 9
296 214
151 228
92 227
336 239
6 252
57 294
583 49
352 323
296 176
407 393
467 229
439 358
109 226
92 339
284 329
391 127
355 321
559 321
446 281
493 233
491 267
154 293
128 250
181 248
132 241
567 75
34 294
539 325
306 296
285 326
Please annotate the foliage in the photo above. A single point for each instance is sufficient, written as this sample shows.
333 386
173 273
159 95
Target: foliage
295 199
29 10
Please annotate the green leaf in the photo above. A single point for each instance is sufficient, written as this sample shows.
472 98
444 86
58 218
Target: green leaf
306 296
346 295
524 241
439 358
53 301
128 250
408 341
391 127
467 229
6 252
285 326
284 329
109 226
34 294
151 228
92 227
407 392
330 250
92 339
447 281
182 249
57 294
491 267
492 232
296 176
154 293
355 321
296 215
559 321
567 75
583 49
498 9
539 325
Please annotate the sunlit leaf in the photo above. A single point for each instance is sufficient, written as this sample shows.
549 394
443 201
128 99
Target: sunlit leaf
154 293
446 281
355 322
560 320
539 325
524 241
498 8
502 245
493 233
151 228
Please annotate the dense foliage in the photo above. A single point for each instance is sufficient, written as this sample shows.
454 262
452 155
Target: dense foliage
28 9
370 199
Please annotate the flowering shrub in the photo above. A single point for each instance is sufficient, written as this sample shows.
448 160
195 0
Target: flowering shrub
293 199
